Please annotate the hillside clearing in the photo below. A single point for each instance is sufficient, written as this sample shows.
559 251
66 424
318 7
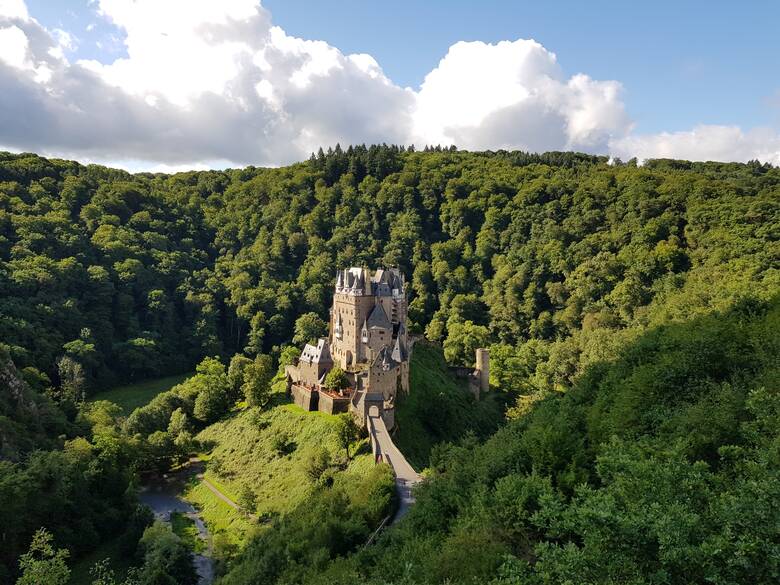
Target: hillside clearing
132 396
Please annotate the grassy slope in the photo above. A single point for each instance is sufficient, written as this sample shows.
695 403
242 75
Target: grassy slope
266 450
132 396
185 528
439 407
220 518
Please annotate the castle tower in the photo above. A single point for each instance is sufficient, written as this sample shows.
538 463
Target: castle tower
483 369
367 339
352 304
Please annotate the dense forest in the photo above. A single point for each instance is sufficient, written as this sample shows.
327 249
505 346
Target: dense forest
631 313
137 275
662 466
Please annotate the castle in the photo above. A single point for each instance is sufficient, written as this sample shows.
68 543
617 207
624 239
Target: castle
367 339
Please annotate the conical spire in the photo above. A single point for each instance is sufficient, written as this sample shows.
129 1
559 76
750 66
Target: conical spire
399 351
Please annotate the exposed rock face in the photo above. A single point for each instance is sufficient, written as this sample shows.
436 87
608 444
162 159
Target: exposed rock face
21 425
10 380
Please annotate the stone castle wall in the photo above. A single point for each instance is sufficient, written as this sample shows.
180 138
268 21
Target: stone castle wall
306 398
331 404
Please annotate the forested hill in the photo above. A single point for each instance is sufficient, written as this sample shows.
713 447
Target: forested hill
631 314
130 276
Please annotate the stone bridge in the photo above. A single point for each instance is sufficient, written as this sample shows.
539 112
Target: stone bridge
385 450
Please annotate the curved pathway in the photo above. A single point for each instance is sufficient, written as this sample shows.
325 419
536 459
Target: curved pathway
215 490
385 450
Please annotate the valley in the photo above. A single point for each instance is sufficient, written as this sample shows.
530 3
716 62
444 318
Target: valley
626 426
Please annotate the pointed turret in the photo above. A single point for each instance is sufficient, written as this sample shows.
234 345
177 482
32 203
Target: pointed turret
364 278
399 350
384 360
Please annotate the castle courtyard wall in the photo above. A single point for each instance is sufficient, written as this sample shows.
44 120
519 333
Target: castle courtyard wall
331 404
304 397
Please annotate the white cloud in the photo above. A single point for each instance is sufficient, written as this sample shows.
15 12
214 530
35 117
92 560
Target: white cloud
216 84
204 81
15 52
514 95
716 143
13 47
65 40
138 166
173 46
14 9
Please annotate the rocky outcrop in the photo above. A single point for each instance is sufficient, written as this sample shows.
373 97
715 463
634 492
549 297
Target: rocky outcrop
21 414
10 380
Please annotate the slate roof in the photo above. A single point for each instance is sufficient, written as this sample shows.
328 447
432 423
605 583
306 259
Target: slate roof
381 283
378 319
399 350
384 359
353 279
319 354
385 280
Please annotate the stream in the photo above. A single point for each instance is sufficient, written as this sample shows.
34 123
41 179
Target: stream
162 496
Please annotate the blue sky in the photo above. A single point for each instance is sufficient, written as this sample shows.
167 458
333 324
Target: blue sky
682 62
686 79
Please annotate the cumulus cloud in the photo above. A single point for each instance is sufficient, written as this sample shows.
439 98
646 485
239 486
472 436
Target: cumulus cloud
13 47
514 95
704 142
13 9
204 83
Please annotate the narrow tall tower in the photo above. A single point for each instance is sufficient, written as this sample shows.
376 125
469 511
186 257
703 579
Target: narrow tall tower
483 369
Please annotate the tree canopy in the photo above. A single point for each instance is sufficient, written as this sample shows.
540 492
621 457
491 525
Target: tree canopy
630 312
